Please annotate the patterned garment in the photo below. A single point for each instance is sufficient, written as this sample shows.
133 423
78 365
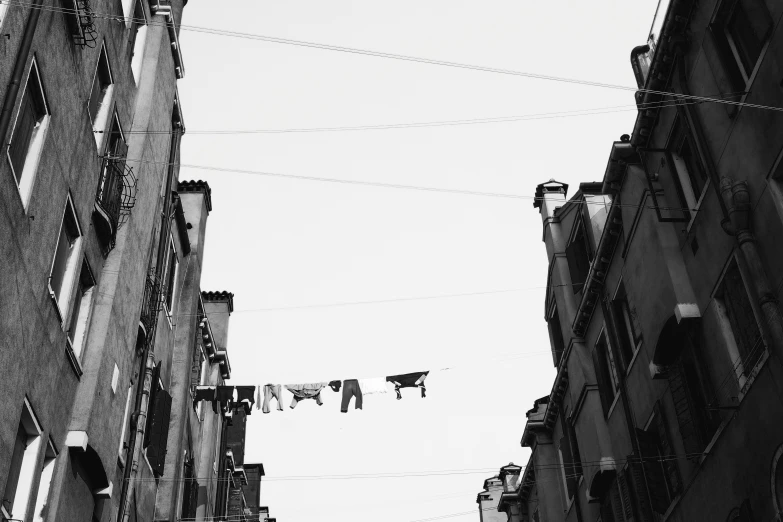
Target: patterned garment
306 391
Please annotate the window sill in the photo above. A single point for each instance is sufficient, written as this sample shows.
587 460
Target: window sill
633 359
753 374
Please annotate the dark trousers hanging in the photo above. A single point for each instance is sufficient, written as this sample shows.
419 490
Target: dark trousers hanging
351 389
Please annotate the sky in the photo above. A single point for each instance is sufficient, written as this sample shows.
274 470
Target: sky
367 281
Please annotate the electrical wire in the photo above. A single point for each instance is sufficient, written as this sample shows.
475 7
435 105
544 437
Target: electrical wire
388 126
392 56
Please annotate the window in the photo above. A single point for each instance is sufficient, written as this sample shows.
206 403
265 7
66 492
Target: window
170 279
80 310
569 457
605 371
691 177
629 331
28 134
736 303
747 29
579 257
616 504
47 471
556 335
64 264
3 9
127 10
125 428
100 95
138 37
22 473
662 475
738 34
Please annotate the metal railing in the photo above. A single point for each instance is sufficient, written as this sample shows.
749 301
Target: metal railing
152 303
116 196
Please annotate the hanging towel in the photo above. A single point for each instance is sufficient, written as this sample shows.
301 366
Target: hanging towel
272 390
306 391
205 393
335 385
245 397
351 389
225 396
409 380
374 385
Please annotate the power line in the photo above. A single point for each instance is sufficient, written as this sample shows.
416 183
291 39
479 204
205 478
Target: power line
400 57
499 119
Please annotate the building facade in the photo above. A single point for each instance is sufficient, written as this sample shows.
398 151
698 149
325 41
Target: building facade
106 332
664 289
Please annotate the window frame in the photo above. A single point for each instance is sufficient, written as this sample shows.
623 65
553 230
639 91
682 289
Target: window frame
138 27
28 467
556 333
103 116
680 134
125 428
622 314
744 376
83 313
26 179
171 280
734 46
64 301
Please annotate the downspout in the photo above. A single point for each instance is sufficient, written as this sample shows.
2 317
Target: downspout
736 196
16 77
701 141
147 363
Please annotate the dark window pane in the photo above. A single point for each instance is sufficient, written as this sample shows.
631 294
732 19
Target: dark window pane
29 117
558 344
20 444
170 276
743 320
747 38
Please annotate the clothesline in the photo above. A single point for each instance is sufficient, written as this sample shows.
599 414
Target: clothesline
226 399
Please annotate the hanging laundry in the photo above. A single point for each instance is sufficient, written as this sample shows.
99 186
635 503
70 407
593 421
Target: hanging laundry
335 385
409 380
374 385
225 396
351 389
272 390
306 391
205 393
245 397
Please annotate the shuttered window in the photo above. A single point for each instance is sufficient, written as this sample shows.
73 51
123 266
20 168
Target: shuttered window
64 264
556 335
158 433
748 28
32 112
691 177
744 326
171 275
101 82
578 256
605 374
190 492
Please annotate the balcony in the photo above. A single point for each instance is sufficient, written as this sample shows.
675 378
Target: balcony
114 199
81 23
151 306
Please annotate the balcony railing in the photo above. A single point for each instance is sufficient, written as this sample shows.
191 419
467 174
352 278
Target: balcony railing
81 23
152 303
114 199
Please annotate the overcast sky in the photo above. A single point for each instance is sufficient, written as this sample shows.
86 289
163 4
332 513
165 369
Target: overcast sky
283 243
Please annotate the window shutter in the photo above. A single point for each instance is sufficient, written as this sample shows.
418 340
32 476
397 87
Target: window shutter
154 387
193 499
618 336
760 19
159 434
623 506
653 471
724 69
641 498
574 264
742 319
603 384
568 472
667 448
95 96
683 408
23 133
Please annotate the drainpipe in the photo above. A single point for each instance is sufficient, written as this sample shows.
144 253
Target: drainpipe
736 196
701 142
16 77
141 405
